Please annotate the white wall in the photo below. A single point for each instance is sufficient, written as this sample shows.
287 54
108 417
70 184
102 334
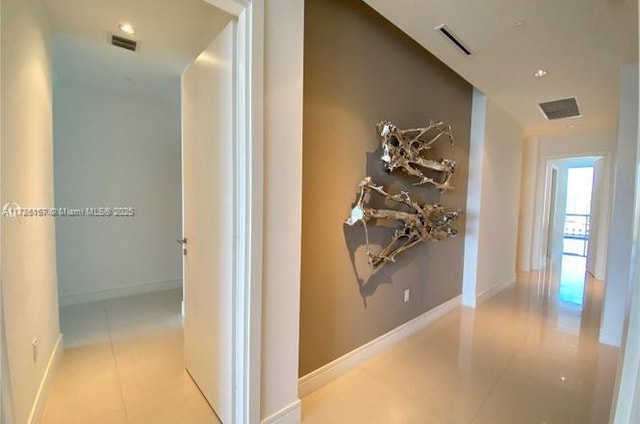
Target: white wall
527 202
576 145
6 400
596 258
620 247
474 198
500 199
283 64
537 154
555 231
635 414
493 200
626 403
117 148
28 244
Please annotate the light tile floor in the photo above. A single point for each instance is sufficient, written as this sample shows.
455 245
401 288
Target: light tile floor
530 354
123 363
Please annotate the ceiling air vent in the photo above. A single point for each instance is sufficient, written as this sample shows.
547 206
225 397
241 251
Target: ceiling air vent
560 109
124 43
454 39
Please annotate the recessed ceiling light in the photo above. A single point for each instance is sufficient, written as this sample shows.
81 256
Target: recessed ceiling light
540 73
570 126
127 28
520 24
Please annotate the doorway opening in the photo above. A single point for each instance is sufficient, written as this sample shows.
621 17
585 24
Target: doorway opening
575 236
578 212
119 116
574 192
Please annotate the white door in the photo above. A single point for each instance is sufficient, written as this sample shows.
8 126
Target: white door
594 218
207 154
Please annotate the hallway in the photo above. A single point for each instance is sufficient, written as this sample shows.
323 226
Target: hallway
530 354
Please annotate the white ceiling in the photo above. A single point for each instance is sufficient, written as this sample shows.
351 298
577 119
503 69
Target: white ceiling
581 43
171 33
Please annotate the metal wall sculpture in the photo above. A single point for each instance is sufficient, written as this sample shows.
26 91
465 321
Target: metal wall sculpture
422 222
404 149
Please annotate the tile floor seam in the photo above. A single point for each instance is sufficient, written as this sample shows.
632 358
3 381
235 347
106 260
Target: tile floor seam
501 376
105 330
115 362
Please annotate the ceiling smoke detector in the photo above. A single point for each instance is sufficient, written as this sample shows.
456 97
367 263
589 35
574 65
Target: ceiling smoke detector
124 43
560 109
454 39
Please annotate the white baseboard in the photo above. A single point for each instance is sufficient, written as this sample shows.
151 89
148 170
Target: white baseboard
291 414
318 378
41 395
115 292
495 289
610 337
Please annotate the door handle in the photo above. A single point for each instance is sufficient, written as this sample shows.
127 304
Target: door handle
183 242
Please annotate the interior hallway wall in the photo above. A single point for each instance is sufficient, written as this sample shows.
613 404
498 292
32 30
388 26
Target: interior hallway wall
28 264
626 403
620 247
527 203
359 70
501 171
283 64
117 148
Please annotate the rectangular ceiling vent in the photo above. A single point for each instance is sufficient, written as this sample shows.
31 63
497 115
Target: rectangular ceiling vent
454 39
560 109
124 43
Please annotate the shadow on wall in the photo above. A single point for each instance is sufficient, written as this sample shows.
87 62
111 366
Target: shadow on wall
380 234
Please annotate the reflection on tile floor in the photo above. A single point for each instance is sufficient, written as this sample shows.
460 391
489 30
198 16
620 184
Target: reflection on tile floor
530 354
123 363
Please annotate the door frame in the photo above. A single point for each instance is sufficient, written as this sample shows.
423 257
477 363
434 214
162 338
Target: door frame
247 205
542 191
551 210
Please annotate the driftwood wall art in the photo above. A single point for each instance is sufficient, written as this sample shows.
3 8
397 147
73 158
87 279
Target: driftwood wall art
415 222
406 149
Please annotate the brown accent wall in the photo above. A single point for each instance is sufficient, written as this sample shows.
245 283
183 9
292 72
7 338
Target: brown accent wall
360 69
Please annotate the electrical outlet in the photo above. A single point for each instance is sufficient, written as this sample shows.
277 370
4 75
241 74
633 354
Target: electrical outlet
407 295
34 350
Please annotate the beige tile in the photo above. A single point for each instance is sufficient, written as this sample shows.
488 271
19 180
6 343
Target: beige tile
182 405
84 325
538 387
85 386
359 398
145 308
525 355
125 364
441 379
116 417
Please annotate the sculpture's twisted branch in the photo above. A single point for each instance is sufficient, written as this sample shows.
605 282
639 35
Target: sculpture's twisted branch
423 222
402 149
